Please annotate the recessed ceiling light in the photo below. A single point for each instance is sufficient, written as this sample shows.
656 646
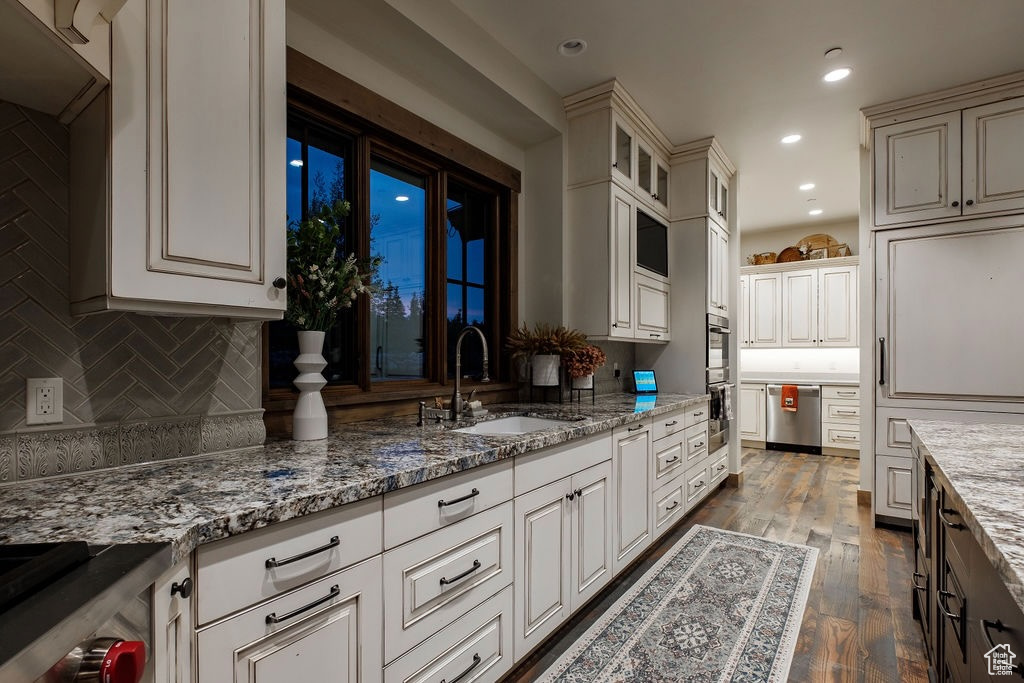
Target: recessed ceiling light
572 47
837 74
297 163
815 212
791 138
807 186
401 198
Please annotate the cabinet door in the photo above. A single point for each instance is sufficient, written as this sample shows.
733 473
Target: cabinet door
752 412
917 170
623 151
723 271
644 171
632 528
800 308
591 532
718 270
718 196
993 149
542 583
661 184
893 495
172 628
652 309
765 310
837 306
329 630
743 295
621 257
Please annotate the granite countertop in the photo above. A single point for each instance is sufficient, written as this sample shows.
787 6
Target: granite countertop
197 500
981 467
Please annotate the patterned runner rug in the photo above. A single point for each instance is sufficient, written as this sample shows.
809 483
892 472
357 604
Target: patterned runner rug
719 606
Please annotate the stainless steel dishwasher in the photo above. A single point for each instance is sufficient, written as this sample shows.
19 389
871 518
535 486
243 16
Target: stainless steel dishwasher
795 431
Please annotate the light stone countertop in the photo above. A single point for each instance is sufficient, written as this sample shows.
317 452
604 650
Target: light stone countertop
981 466
197 500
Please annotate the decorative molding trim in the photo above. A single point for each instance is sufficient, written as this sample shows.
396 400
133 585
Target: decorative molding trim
801 265
863 497
734 480
35 454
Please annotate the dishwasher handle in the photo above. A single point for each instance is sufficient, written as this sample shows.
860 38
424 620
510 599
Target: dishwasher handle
811 390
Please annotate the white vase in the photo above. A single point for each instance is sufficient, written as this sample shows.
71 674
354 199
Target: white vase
585 382
309 421
545 370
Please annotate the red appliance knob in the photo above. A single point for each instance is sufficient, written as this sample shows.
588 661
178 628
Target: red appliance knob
124 662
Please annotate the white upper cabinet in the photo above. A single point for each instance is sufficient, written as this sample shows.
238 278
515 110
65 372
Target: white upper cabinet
764 318
993 149
718 195
196 128
920 174
837 306
718 270
624 151
800 308
701 182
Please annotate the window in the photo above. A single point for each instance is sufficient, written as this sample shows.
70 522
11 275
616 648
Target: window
444 235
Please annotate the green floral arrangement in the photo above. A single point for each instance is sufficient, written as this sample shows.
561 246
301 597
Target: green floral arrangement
584 361
319 282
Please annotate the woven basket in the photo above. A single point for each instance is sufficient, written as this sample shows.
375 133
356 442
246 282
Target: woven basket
763 258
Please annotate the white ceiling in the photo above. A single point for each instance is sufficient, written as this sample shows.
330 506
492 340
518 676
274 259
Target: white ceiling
749 72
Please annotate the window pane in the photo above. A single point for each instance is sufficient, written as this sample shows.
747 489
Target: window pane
470 223
398 210
294 177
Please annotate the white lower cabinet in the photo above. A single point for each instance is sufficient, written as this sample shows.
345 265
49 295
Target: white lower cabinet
437 578
563 542
752 411
329 630
669 503
171 640
630 467
893 477
475 648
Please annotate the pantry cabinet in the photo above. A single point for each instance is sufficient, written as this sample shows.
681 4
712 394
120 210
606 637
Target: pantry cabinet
951 165
184 231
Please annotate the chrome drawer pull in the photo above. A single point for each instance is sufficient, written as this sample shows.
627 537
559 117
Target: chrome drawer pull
673 506
272 618
720 468
846 393
671 460
476 565
913 582
274 562
444 503
841 437
846 412
940 598
476 661
951 525
673 423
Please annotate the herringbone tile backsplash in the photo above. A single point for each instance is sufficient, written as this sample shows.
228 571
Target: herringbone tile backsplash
116 367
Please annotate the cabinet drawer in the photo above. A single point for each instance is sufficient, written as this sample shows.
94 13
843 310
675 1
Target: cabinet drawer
697 485
237 572
840 435
665 425
696 414
669 504
719 469
851 392
329 630
669 460
534 470
696 443
437 578
840 410
476 648
417 510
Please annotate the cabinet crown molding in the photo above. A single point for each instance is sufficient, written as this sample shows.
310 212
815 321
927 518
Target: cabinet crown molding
611 93
801 265
939 101
698 149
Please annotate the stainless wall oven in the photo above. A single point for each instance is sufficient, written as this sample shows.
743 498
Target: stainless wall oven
718 344
718 384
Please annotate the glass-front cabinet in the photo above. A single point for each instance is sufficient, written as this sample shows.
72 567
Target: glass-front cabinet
623 151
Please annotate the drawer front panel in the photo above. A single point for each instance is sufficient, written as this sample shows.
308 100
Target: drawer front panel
669 461
839 392
533 470
697 485
719 469
430 582
418 510
477 647
696 415
840 410
237 572
664 425
669 504
840 436
696 443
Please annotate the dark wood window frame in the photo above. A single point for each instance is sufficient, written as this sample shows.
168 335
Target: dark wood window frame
384 129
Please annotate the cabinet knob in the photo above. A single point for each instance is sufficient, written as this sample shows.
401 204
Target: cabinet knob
969 202
184 589
615 164
280 283
955 203
654 196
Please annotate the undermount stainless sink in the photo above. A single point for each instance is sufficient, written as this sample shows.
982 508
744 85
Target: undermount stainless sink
515 424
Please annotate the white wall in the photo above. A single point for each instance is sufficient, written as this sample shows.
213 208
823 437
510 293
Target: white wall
541 235
778 239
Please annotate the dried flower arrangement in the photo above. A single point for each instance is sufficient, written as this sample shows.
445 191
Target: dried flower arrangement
544 339
319 282
584 361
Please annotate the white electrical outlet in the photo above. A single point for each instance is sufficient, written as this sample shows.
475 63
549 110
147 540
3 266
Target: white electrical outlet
44 401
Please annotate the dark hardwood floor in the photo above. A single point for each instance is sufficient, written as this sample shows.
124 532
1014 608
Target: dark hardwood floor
857 625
